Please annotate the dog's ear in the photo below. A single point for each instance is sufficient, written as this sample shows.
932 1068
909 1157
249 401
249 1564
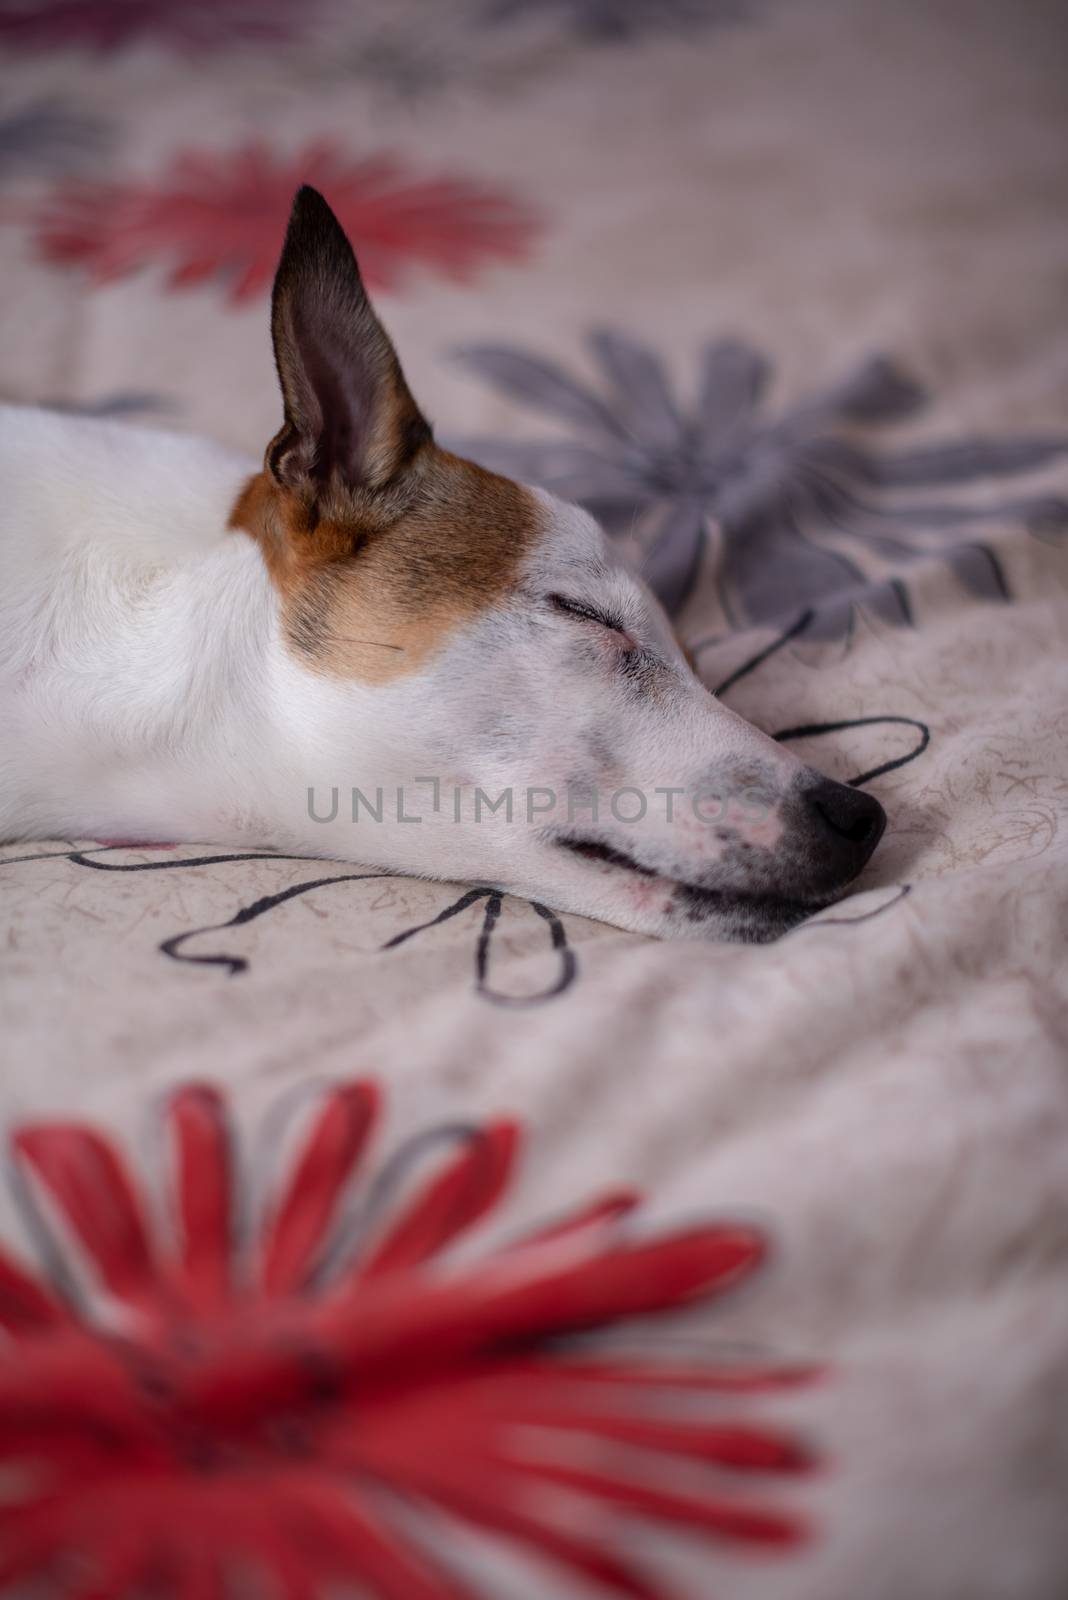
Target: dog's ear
350 420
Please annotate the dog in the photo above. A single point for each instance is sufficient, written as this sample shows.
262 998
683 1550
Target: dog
372 649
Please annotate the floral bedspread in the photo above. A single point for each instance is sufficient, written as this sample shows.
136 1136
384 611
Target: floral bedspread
777 291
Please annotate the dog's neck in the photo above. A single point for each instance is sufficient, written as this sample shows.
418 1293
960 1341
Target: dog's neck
140 659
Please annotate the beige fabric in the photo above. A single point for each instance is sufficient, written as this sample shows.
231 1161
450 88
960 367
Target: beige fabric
890 1099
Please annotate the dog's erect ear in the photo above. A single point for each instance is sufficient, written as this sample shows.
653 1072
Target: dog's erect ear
350 420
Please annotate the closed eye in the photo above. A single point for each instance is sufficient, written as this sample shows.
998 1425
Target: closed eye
585 613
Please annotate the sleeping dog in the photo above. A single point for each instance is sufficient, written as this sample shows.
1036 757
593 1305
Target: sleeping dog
375 650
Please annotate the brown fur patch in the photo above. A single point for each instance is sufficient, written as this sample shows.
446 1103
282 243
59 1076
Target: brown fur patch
375 587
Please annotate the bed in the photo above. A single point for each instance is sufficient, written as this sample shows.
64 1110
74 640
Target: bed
778 291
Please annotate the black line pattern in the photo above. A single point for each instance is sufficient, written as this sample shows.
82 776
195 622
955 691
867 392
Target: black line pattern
792 632
567 961
558 935
465 900
903 891
813 730
55 855
235 964
568 965
78 857
494 898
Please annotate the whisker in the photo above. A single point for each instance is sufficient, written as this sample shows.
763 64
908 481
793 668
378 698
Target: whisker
379 644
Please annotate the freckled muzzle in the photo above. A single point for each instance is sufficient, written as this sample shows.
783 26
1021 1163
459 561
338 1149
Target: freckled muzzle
778 856
805 844
829 834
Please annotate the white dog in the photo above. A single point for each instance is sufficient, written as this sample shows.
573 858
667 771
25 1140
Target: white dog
372 649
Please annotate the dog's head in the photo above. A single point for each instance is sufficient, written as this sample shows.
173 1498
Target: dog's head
478 645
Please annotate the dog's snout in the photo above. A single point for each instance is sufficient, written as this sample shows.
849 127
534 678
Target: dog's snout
852 818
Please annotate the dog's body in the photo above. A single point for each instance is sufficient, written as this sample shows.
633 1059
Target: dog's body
136 660
195 649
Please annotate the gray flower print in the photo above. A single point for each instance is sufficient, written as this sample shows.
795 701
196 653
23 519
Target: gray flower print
769 481
44 137
605 20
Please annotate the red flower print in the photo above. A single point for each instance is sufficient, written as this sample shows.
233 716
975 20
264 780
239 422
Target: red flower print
289 1399
224 217
106 25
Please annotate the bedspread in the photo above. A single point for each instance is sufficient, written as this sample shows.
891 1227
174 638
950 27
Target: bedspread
778 291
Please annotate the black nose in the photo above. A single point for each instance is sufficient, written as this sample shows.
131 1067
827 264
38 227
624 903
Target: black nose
849 817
